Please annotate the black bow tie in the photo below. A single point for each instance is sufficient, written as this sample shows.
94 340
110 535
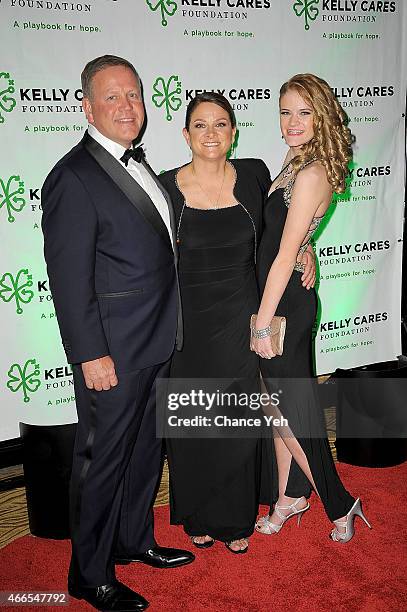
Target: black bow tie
137 154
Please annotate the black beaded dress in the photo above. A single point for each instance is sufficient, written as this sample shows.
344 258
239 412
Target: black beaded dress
214 482
300 403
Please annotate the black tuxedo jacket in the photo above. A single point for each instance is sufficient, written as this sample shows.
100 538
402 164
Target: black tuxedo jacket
111 266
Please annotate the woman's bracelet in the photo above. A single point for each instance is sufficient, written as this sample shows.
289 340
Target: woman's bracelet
259 334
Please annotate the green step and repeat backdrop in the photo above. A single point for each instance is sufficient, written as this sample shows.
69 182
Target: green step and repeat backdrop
245 49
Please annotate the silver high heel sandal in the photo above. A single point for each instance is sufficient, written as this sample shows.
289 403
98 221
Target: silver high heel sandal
264 525
348 524
266 517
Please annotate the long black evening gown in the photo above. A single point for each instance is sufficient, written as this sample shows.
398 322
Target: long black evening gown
214 482
300 404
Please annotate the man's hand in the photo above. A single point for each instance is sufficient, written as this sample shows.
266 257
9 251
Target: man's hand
100 374
308 259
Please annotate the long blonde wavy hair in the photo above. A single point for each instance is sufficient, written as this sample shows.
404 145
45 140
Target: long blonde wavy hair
332 141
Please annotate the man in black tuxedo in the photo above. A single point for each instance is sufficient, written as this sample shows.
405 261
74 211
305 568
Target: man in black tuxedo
109 232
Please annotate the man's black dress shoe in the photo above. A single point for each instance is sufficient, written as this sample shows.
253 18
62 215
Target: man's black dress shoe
158 557
115 596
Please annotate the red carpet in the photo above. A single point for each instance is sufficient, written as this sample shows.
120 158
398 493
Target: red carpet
299 569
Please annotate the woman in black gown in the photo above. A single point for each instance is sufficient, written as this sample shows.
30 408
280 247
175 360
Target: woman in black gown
314 127
218 205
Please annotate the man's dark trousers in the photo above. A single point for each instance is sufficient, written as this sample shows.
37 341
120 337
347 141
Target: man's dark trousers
108 487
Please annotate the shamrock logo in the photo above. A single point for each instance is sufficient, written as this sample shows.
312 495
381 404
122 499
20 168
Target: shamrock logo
306 8
16 288
167 7
9 196
24 378
167 93
7 102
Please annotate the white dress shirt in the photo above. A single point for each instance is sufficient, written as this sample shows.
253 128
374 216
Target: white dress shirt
138 172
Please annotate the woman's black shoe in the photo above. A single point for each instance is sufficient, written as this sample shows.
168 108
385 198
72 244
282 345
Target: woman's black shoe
207 544
241 551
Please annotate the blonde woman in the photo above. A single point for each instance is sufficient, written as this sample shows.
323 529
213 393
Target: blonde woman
314 127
